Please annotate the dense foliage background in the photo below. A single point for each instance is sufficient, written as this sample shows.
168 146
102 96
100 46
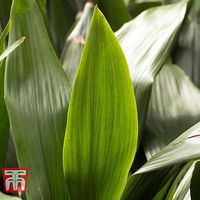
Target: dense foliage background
67 107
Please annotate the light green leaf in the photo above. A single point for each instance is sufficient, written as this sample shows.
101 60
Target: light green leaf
174 108
7 197
195 182
115 12
145 53
75 42
36 95
185 148
11 48
101 134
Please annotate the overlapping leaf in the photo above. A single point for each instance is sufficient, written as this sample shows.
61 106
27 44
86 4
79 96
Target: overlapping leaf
185 148
174 107
195 182
145 186
4 122
187 50
36 94
101 134
145 53
75 42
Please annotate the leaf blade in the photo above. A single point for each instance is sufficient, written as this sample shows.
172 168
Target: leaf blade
94 147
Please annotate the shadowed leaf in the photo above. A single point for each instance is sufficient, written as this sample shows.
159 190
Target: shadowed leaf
36 95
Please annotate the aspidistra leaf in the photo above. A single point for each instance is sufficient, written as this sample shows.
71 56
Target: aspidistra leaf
36 95
170 112
75 42
185 148
144 52
101 134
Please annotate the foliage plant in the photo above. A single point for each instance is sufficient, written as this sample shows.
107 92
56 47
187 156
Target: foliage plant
100 99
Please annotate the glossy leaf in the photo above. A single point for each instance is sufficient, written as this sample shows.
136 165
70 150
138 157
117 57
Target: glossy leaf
187 50
195 182
36 95
185 148
146 54
115 12
75 42
145 186
101 134
181 185
174 107
4 122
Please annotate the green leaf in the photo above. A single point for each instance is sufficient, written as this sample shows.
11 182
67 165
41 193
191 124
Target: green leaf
181 185
185 148
187 50
115 12
101 134
36 95
7 197
61 17
195 182
4 125
4 12
75 42
146 54
11 48
174 108
145 186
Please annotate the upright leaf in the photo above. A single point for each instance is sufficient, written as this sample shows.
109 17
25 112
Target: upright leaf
174 107
36 95
75 42
145 53
101 134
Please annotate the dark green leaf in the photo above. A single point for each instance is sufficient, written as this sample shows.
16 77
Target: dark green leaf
36 95
186 52
174 108
145 53
181 185
75 42
101 134
195 182
145 186
185 148
61 17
